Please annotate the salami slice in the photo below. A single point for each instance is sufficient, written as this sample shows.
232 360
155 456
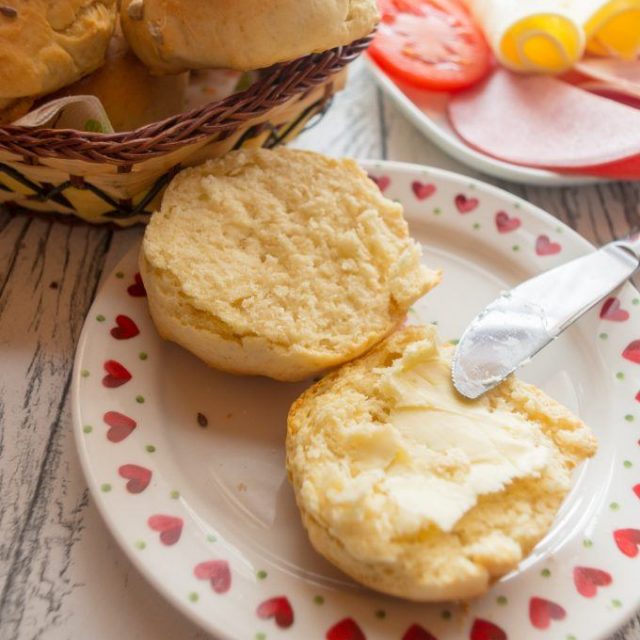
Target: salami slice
541 121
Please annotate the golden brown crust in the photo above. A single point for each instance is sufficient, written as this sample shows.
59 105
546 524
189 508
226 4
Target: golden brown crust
48 44
173 35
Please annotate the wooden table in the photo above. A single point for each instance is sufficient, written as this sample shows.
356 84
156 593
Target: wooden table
62 576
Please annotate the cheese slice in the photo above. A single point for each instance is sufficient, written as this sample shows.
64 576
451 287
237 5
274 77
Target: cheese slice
541 36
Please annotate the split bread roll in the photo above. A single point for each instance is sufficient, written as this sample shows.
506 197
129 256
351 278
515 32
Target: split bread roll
48 44
279 263
129 93
174 35
417 492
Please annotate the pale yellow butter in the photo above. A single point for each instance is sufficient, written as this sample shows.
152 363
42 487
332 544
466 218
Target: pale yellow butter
430 461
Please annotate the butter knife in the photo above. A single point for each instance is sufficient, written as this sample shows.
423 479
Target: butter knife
522 321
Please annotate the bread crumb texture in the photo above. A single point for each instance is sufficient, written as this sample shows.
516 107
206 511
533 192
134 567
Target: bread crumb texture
280 263
345 456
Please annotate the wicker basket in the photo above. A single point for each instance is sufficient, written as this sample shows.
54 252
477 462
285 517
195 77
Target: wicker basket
118 178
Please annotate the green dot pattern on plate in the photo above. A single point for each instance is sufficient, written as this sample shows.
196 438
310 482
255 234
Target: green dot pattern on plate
381 614
211 538
545 573
454 341
150 448
616 603
627 464
629 418
437 211
105 488
174 494
604 336
476 225
516 247
262 574
318 600
502 600
620 375
445 614
516 205
87 428
261 636
614 506
140 399
140 544
85 373
142 355
119 275
635 301
194 597
587 544
100 318
571 637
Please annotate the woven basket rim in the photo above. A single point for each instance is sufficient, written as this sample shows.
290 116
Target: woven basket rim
279 84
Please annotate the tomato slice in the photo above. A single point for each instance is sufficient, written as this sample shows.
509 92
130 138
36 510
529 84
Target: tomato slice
432 44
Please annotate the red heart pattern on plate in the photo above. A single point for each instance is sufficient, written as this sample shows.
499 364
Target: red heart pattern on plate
117 374
506 223
588 579
611 310
383 182
346 629
542 612
137 290
545 247
138 477
125 328
628 541
485 630
422 190
120 425
632 352
416 632
169 527
464 204
278 608
217 572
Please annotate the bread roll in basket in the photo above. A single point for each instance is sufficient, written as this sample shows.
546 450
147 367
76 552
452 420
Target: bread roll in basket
300 47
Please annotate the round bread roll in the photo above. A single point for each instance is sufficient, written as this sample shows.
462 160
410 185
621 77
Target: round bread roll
173 35
279 263
416 492
130 94
48 44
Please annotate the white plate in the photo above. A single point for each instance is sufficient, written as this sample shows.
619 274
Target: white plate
427 110
196 493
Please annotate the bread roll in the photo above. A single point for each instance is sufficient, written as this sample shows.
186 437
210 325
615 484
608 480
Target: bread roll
173 35
279 263
47 44
417 492
130 94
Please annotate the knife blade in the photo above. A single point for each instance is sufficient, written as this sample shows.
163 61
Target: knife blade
522 321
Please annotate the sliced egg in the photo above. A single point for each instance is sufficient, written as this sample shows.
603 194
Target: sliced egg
612 27
542 36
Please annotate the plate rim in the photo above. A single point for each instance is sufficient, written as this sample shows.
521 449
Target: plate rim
464 154
98 497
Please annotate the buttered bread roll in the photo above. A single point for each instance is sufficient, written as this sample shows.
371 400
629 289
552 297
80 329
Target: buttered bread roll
417 492
279 263
173 35
48 44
